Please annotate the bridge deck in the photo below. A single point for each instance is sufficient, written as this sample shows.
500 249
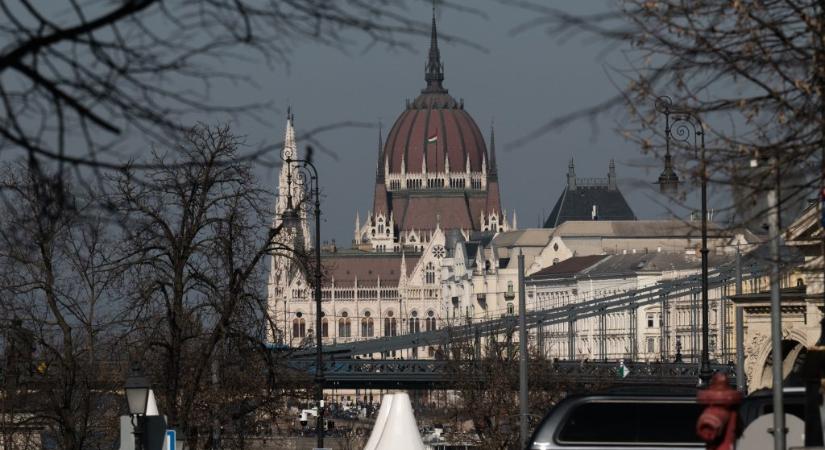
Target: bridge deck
441 374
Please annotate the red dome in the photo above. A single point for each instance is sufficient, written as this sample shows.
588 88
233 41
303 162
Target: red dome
434 114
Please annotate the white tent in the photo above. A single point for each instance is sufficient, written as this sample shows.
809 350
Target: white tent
395 427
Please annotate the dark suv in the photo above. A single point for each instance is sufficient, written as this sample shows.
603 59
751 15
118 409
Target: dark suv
622 420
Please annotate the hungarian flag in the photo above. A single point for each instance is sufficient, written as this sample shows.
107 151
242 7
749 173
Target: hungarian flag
433 138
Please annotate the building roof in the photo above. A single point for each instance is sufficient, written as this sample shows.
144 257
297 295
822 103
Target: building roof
627 264
434 134
653 262
671 228
528 237
569 266
590 199
434 113
578 205
422 210
347 265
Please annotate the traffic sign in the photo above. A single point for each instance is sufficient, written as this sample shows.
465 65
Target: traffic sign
170 442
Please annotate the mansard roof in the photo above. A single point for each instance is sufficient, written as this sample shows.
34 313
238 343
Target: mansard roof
577 204
590 199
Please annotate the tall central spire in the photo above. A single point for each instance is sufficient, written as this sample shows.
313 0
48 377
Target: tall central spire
434 74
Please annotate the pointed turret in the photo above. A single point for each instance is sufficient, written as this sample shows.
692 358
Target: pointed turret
290 150
434 74
571 176
668 180
402 277
379 204
356 239
493 202
379 169
611 176
493 166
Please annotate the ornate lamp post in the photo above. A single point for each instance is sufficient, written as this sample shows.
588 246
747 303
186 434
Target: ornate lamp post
681 125
306 176
137 396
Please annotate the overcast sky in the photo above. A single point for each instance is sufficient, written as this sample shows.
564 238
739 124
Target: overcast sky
520 81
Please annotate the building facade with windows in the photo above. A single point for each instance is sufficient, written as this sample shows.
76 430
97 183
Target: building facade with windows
434 175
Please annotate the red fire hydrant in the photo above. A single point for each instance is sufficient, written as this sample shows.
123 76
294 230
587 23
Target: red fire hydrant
717 424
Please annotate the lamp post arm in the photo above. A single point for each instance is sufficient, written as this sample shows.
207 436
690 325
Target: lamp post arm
687 124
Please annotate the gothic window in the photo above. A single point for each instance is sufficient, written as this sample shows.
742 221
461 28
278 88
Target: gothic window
299 328
390 325
429 274
430 322
324 328
344 325
414 325
367 325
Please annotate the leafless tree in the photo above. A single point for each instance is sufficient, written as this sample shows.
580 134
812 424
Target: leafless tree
752 71
59 271
487 377
200 227
76 77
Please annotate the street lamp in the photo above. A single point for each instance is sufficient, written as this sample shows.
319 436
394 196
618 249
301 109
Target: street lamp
681 125
307 173
137 396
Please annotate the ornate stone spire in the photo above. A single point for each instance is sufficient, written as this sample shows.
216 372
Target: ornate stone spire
434 74
571 176
493 166
668 180
611 176
379 170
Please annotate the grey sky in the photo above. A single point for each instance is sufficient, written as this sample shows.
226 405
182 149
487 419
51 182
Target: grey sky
521 82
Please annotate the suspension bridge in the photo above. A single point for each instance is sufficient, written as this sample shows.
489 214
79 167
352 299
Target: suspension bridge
353 364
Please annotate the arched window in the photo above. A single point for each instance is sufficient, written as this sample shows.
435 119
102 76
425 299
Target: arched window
430 325
299 327
344 325
390 325
324 327
414 324
367 325
429 274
